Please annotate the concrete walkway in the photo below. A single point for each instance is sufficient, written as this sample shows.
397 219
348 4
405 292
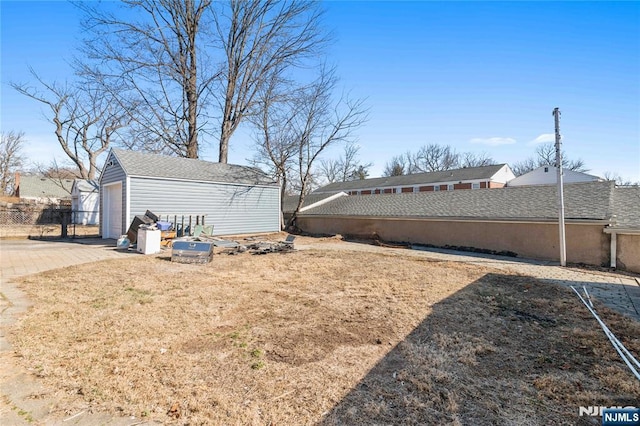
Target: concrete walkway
23 399
23 257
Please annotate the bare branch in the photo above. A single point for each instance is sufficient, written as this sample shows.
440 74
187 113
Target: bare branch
397 166
85 120
152 67
546 156
260 38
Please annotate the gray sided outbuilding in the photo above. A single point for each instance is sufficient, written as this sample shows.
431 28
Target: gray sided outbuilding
234 199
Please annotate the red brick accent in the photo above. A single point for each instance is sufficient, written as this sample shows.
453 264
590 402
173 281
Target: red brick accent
388 191
377 191
425 188
496 185
461 186
365 192
407 189
483 184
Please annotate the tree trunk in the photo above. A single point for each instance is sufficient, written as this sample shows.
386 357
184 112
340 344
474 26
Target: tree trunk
225 135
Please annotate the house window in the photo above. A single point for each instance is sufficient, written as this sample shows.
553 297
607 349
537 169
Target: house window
546 170
450 187
475 186
436 188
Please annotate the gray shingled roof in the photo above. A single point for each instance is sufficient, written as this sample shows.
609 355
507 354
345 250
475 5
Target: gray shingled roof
469 173
42 187
86 185
626 206
583 201
137 163
290 202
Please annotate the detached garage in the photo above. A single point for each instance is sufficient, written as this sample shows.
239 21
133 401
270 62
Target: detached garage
234 199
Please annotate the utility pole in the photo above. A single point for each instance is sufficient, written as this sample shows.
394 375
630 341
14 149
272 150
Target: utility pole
563 245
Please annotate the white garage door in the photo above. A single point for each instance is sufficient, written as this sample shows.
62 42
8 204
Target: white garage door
113 210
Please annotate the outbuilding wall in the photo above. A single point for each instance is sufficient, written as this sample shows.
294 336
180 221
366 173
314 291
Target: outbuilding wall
230 208
585 243
85 207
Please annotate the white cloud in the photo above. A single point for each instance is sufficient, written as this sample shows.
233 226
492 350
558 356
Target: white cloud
544 138
493 141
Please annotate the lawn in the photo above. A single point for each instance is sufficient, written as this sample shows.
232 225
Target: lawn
320 337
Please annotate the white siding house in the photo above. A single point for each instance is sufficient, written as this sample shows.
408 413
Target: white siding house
234 199
85 202
548 175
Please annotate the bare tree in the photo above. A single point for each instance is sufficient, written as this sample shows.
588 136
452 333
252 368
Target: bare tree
85 120
296 128
154 63
397 166
321 123
471 159
524 166
546 156
275 138
11 159
329 170
345 168
433 158
260 38
619 180
56 171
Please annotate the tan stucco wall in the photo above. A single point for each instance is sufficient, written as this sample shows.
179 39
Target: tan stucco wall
585 243
628 252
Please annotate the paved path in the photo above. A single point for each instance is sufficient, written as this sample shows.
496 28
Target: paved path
18 406
23 257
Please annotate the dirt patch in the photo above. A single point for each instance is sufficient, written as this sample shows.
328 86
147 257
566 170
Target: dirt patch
308 337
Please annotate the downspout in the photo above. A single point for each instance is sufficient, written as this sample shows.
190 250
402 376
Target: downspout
614 242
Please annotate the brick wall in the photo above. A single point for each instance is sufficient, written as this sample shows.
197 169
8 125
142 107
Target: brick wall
586 244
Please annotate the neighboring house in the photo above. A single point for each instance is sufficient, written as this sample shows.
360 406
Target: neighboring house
521 220
85 202
42 189
495 176
234 199
548 175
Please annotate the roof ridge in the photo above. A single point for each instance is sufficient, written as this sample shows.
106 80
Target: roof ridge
150 165
583 201
413 178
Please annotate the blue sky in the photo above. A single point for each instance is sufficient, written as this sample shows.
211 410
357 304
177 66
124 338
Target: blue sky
479 76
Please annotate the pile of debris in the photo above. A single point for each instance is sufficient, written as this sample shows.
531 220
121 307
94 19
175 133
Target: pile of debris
251 245
200 249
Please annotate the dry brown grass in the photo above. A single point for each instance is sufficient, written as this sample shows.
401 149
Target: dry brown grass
319 337
9 199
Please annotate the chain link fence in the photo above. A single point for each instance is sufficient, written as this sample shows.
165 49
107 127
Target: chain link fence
33 215
38 220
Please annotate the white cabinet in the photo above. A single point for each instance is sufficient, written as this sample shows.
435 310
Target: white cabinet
148 241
